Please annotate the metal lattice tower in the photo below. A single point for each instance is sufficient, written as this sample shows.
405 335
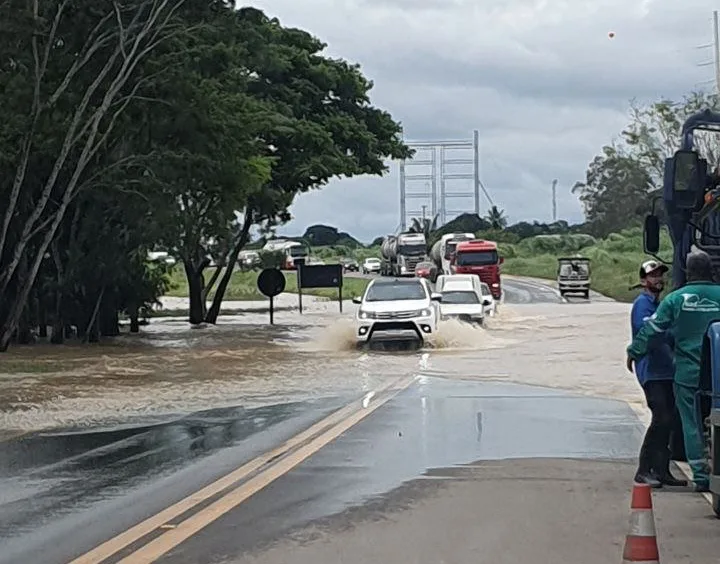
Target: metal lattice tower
447 165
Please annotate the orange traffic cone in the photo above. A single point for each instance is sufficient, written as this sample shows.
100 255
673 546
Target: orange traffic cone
641 541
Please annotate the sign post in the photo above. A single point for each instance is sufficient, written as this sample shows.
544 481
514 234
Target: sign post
271 283
299 264
321 276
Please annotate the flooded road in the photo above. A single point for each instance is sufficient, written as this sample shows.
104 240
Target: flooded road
171 370
121 440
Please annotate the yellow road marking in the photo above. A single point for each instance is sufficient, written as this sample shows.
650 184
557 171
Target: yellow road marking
169 540
135 533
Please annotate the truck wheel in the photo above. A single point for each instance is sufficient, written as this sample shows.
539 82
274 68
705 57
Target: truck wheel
715 504
586 294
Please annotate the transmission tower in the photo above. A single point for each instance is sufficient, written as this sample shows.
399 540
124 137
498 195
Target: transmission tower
448 165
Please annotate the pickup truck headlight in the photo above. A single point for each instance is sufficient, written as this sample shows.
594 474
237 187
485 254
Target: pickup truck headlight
366 315
425 313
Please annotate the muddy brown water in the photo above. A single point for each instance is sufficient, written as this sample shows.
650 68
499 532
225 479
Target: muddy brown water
171 370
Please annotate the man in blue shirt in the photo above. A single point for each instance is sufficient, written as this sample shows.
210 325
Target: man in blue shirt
655 372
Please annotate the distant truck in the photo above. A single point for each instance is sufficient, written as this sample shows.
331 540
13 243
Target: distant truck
402 253
479 257
443 251
293 250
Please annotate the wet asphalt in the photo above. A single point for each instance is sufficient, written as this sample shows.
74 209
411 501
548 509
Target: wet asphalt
64 492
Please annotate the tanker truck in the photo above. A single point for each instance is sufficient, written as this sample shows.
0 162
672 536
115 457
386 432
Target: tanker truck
442 252
401 254
691 198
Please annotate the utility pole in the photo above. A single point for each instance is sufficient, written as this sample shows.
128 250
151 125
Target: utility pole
423 214
554 200
716 50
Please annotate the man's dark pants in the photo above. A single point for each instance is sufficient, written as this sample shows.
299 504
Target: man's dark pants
655 451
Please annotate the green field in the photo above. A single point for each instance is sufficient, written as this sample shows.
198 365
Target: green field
243 286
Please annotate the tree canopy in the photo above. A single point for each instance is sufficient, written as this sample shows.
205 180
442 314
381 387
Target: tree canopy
622 180
173 125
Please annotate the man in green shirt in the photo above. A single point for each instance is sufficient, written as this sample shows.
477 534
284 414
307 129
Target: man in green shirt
687 311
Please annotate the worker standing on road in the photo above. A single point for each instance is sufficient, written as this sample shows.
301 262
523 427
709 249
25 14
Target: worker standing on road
687 311
655 372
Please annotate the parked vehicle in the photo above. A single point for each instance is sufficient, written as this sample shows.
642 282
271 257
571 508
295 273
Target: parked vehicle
247 260
397 310
481 258
573 276
462 298
371 266
350 265
294 251
401 254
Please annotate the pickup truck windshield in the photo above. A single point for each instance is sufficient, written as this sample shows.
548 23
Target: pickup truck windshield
390 292
476 258
465 297
298 252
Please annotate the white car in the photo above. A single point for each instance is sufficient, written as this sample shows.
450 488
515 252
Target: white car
462 298
489 302
371 266
393 309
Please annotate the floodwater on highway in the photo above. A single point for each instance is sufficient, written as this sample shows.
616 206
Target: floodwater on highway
170 369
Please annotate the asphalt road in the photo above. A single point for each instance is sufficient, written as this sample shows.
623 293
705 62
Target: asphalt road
424 470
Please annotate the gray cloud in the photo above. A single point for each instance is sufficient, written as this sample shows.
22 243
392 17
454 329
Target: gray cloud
540 79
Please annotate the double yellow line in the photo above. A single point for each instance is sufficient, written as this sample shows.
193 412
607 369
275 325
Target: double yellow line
261 471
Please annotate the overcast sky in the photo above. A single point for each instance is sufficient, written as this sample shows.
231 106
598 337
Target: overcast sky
540 79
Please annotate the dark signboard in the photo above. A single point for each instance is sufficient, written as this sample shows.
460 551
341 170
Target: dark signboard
321 276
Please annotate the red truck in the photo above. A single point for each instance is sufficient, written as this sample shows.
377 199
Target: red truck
479 257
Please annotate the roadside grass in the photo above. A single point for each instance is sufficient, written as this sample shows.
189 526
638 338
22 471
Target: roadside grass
614 265
243 286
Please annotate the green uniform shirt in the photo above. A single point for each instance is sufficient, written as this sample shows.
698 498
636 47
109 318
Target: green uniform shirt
688 311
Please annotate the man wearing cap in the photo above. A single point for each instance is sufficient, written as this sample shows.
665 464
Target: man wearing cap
687 312
655 372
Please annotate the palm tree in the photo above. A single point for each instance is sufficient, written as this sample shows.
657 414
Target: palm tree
497 218
426 226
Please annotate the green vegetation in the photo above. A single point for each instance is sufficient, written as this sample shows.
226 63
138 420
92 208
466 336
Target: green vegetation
243 286
159 125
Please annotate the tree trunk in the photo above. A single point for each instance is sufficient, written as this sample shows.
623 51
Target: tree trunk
109 320
196 285
42 319
92 333
214 311
134 320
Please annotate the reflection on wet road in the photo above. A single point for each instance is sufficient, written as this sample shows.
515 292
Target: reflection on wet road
95 485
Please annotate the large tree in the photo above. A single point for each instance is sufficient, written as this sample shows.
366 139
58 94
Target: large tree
616 191
69 73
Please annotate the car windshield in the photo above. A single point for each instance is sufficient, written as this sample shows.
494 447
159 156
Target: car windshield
298 252
476 258
372 261
394 291
465 297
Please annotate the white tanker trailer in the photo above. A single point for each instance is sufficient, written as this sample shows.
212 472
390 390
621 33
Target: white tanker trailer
402 253
442 251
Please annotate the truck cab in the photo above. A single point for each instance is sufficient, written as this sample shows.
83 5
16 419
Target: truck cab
691 199
481 258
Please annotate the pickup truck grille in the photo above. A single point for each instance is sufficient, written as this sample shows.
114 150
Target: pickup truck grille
397 315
